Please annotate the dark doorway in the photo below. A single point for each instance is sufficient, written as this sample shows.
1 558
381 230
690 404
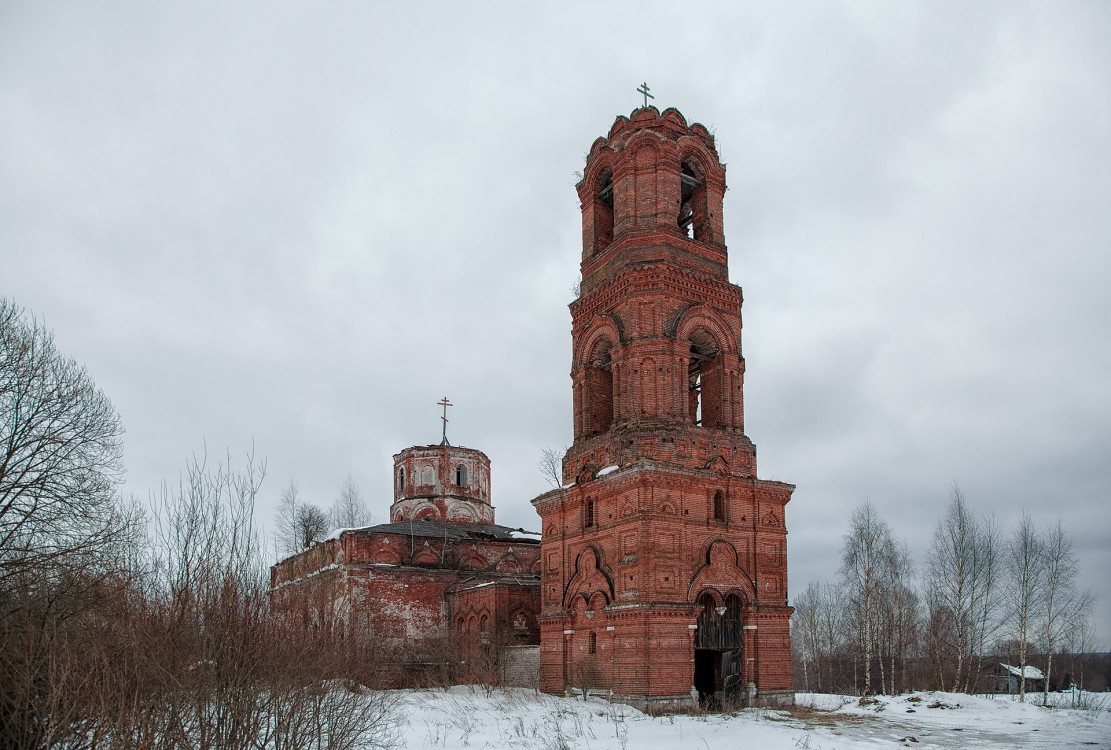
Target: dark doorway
717 652
707 677
717 677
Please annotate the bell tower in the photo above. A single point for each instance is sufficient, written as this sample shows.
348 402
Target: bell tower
663 556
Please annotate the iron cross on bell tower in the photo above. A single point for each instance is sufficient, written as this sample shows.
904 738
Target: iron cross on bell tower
445 403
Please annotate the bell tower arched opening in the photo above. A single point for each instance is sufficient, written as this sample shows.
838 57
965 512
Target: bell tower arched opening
599 389
603 211
692 201
704 391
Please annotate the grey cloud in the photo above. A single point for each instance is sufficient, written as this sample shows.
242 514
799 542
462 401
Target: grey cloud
303 226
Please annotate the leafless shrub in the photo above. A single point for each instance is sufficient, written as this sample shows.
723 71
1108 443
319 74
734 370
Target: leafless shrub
587 675
110 639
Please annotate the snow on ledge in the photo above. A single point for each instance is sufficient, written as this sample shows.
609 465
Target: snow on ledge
1032 673
335 533
607 470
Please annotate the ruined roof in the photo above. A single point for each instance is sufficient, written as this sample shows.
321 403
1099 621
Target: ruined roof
434 529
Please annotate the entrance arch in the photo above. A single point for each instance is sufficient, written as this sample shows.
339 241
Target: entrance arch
718 650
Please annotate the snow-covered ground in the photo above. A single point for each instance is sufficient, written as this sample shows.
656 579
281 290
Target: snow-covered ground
470 717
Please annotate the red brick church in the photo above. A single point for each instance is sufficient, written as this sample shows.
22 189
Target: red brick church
661 572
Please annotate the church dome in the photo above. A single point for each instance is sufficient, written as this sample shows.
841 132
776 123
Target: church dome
442 482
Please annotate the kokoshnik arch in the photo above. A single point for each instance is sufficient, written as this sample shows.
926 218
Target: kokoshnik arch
660 576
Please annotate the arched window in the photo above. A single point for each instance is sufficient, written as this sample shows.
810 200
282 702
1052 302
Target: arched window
719 506
704 375
603 211
692 201
588 514
592 643
599 389
401 479
461 475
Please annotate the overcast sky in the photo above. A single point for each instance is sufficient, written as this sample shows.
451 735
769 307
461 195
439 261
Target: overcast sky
298 226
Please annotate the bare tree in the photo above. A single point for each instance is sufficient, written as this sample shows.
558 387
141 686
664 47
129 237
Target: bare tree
312 524
897 613
551 466
350 510
1025 589
287 539
806 634
1080 642
65 534
215 668
961 584
831 628
1063 604
866 558
60 456
818 628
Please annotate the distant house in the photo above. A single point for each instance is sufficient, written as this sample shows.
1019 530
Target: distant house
1005 678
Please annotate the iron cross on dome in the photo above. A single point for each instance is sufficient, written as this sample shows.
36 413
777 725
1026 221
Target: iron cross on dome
445 403
644 90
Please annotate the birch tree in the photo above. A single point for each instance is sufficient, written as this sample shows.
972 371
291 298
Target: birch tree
962 573
1024 590
1063 604
350 510
866 555
287 540
805 633
831 627
818 625
897 615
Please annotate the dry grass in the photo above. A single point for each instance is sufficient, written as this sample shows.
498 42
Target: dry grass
814 717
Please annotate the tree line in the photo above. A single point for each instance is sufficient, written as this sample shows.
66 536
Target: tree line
300 523
124 626
984 596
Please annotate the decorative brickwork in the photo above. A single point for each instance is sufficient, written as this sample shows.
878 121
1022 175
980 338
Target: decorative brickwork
663 559
442 482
